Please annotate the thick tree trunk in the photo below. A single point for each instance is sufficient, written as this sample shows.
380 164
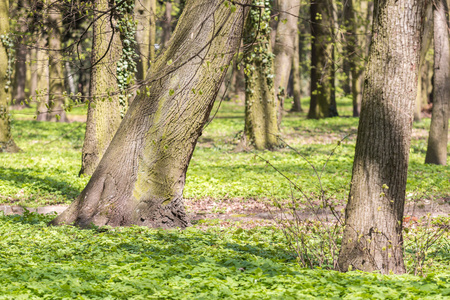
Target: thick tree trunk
167 23
56 73
141 177
322 81
145 15
296 78
373 226
438 138
103 116
283 49
261 128
6 141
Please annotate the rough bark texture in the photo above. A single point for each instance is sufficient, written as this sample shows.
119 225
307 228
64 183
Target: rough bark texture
322 81
141 177
296 78
56 73
438 138
145 15
103 116
6 141
373 226
283 48
261 128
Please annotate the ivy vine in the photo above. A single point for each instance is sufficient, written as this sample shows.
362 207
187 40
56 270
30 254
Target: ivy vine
8 43
126 66
257 34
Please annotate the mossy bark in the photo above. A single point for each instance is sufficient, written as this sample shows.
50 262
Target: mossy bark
372 239
261 105
6 141
438 137
283 49
103 116
141 177
145 15
56 63
322 69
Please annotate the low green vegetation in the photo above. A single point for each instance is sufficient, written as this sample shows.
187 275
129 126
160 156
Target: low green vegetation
40 262
46 172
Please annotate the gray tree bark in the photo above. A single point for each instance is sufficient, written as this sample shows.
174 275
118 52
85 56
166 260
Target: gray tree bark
438 137
145 15
284 49
141 177
6 141
372 239
103 116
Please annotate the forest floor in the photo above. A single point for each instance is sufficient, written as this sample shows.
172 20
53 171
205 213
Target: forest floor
236 248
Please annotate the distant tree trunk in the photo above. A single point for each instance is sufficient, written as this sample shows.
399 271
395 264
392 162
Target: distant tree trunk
427 38
372 237
20 76
284 49
145 15
438 138
167 23
6 141
141 177
297 80
103 116
56 63
261 128
42 91
322 81
34 73
238 85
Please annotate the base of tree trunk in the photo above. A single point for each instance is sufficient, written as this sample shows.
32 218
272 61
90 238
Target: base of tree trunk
9 147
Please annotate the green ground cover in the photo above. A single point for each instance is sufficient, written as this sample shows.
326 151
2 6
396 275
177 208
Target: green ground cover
40 262
47 171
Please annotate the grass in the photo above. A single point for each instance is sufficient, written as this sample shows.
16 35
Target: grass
46 172
214 258
40 262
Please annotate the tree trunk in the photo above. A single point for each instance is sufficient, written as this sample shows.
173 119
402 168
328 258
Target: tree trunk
297 80
6 141
42 91
141 177
322 81
372 237
20 73
284 49
145 15
167 23
261 128
103 116
438 138
56 73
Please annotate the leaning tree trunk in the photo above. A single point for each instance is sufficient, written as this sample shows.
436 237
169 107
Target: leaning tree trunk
6 141
141 177
322 81
283 49
261 128
103 116
372 237
56 73
438 137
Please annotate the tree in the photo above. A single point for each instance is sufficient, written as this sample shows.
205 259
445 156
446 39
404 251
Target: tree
103 116
284 48
6 141
141 176
167 23
372 237
145 15
261 128
322 69
296 77
438 137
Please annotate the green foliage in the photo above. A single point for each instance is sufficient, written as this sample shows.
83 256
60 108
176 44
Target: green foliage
8 42
40 262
